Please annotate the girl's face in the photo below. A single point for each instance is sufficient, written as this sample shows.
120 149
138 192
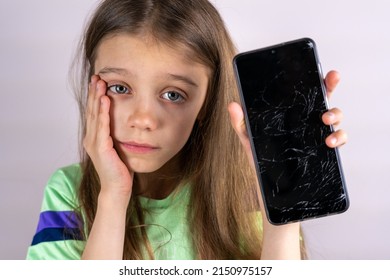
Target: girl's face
156 94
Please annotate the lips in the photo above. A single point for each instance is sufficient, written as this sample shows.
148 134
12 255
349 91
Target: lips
138 148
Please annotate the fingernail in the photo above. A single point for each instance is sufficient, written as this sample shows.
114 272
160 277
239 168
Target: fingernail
330 115
333 141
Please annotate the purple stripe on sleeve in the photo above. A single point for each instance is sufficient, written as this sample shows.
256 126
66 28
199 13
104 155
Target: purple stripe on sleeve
58 219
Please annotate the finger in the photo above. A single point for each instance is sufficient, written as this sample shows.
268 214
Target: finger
96 94
90 113
237 118
91 94
103 131
238 123
336 139
96 90
333 117
331 81
100 90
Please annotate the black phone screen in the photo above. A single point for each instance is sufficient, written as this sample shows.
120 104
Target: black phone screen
283 98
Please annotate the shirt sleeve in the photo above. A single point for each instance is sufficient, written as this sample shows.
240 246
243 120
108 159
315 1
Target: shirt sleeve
59 231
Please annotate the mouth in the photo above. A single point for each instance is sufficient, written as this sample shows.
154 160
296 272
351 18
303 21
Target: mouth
138 148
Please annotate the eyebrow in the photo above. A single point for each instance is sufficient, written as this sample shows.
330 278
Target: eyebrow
120 71
184 79
170 76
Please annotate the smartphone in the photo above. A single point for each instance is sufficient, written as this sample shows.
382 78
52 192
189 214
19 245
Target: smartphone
283 98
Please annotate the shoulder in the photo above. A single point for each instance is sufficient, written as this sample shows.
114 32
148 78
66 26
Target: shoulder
61 188
71 174
58 234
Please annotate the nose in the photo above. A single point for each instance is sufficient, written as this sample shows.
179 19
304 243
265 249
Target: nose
143 114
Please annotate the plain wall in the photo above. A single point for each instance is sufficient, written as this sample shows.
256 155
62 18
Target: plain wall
39 117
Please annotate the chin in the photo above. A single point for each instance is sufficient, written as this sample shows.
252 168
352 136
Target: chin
141 166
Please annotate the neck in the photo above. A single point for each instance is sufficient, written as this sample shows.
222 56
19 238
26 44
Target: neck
160 183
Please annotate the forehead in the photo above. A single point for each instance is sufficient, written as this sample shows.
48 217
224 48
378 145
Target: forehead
122 46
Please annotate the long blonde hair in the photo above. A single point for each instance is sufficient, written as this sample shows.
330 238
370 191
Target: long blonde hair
223 197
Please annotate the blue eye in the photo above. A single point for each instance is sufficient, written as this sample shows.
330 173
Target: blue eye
173 96
118 89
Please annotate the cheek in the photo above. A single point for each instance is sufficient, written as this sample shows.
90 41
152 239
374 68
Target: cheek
181 130
186 120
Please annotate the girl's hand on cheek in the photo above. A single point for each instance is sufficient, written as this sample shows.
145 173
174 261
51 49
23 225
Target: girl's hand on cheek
333 116
115 178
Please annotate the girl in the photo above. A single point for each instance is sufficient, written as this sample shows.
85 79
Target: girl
164 174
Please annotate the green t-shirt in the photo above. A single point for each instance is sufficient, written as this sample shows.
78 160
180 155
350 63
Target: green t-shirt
58 236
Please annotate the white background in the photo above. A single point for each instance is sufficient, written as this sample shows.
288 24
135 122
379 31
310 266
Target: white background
39 117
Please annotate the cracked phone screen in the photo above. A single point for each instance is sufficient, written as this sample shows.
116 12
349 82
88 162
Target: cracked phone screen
283 97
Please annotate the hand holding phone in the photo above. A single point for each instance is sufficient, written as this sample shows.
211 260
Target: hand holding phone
283 98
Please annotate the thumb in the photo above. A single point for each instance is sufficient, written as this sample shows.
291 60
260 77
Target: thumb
238 123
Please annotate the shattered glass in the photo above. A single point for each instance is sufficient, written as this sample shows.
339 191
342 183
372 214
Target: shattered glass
283 95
